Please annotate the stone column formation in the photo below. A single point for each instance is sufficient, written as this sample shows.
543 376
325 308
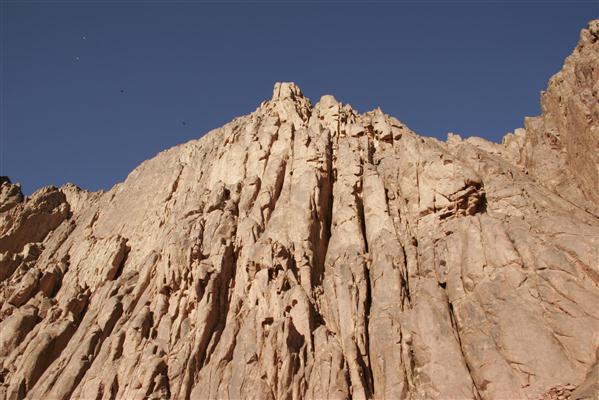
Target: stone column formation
314 252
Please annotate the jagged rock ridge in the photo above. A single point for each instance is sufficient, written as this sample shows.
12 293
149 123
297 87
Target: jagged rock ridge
314 252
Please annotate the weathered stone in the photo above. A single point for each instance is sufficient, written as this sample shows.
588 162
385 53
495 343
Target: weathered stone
10 194
313 252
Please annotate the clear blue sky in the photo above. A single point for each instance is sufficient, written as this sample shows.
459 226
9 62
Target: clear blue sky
474 68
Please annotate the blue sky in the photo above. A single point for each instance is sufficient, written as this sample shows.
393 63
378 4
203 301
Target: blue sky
91 89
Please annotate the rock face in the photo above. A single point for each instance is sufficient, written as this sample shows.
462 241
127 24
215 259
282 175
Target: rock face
313 252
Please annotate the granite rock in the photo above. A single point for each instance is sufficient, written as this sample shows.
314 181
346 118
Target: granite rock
309 251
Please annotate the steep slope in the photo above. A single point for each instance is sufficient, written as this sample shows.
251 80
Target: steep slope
314 252
562 145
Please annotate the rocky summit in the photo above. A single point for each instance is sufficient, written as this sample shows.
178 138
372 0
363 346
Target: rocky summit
312 252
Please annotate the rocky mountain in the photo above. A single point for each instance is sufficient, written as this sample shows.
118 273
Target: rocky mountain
309 251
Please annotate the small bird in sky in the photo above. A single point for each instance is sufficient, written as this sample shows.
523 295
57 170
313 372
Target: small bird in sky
122 90
184 123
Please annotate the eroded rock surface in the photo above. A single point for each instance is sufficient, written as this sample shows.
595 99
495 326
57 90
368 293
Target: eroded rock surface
313 252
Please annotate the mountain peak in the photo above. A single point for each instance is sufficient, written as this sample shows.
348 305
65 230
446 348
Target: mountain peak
316 252
286 90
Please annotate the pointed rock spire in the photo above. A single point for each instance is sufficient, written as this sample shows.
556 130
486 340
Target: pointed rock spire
286 90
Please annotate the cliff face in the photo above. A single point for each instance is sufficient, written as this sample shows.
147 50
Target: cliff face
562 145
314 252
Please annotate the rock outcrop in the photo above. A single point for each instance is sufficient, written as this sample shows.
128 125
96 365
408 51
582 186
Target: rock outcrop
313 252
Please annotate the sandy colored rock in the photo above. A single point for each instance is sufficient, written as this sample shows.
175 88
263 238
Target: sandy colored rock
309 251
